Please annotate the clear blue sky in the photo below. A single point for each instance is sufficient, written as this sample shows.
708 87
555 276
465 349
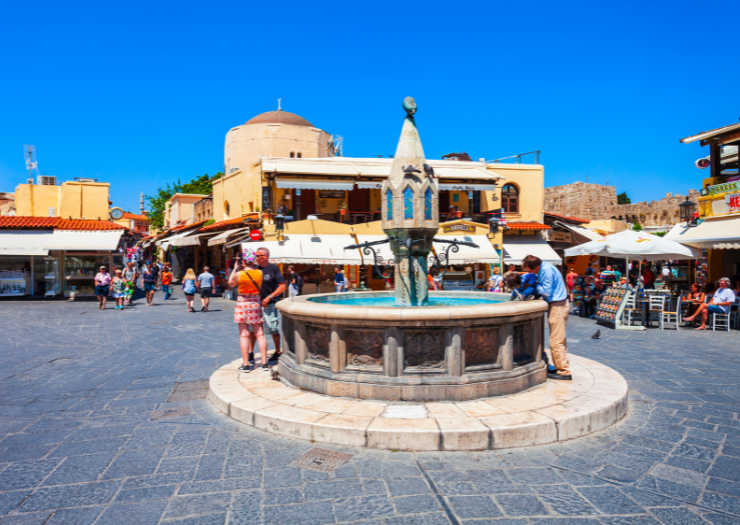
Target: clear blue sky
140 94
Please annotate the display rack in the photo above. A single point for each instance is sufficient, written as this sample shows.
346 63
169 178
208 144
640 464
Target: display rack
14 283
611 308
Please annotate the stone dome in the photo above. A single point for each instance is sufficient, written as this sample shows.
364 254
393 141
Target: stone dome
279 117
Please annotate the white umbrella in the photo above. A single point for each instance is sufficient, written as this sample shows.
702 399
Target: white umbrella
636 245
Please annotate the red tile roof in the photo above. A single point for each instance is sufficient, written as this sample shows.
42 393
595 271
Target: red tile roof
527 226
56 223
574 219
225 224
26 223
135 217
183 226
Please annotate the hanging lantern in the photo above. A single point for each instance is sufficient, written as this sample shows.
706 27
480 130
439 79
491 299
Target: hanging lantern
687 212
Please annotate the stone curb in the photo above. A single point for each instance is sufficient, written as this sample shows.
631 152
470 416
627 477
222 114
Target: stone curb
551 412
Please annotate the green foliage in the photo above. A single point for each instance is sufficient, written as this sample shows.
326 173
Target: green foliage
202 185
623 199
636 227
660 234
209 222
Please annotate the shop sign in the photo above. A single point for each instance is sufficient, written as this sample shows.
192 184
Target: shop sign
459 228
555 236
732 202
724 188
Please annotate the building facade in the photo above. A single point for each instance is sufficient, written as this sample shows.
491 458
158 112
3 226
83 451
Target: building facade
69 200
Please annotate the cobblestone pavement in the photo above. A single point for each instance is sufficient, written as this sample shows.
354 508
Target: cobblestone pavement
79 387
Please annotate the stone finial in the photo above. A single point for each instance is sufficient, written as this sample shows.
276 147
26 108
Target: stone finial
409 104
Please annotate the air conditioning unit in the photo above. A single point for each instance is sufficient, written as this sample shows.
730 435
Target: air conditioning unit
46 180
52 212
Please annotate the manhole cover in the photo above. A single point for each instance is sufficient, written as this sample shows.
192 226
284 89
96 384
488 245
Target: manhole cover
321 460
188 391
169 413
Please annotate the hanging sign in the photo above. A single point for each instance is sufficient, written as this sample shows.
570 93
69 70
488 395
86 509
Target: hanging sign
459 228
723 188
255 235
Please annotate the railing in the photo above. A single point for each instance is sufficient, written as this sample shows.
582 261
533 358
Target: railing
518 158
358 217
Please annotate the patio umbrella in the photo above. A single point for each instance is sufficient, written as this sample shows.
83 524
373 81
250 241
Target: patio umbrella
636 245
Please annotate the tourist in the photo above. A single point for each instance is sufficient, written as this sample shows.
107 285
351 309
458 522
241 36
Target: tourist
551 287
694 298
511 270
129 275
608 277
166 282
434 279
248 311
339 280
495 282
295 282
273 286
720 304
524 288
571 280
188 288
102 283
119 289
591 297
149 278
648 278
205 287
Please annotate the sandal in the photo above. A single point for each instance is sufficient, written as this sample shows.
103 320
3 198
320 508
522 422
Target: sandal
702 328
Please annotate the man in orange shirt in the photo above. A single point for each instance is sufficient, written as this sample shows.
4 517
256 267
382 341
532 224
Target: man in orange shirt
166 282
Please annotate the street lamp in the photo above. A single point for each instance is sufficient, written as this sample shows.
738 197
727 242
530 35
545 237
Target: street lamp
687 212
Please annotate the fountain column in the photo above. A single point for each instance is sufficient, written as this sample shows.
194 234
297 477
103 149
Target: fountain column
410 213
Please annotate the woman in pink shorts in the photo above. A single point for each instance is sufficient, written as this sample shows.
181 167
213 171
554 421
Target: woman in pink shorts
248 309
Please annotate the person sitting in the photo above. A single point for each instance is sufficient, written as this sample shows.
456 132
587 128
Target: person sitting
523 289
694 298
591 297
720 304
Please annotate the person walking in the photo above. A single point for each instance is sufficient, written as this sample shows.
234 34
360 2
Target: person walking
166 282
129 275
189 288
149 279
295 282
248 311
551 287
571 280
273 286
339 281
205 287
495 282
119 289
102 286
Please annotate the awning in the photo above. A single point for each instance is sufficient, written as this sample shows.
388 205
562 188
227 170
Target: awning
170 241
223 238
517 247
189 240
580 230
467 187
302 184
84 240
24 242
369 185
485 253
310 249
718 234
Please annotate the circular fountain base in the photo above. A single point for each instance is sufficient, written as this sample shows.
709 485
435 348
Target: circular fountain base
476 345
548 413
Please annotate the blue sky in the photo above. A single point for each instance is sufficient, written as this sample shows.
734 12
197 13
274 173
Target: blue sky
140 94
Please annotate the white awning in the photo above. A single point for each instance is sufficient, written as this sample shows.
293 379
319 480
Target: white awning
517 247
189 240
222 238
303 184
580 230
485 253
84 240
310 249
714 233
167 241
467 187
24 242
369 185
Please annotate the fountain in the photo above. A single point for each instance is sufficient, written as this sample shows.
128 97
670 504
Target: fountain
409 345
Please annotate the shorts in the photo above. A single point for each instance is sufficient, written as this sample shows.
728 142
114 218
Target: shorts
272 319
189 296
101 290
118 295
714 309
206 293
148 287
248 309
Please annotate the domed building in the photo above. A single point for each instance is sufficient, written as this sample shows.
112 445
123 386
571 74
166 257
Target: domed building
270 134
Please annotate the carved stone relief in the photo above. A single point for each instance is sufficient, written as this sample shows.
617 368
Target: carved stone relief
317 343
424 350
481 346
289 334
364 348
523 350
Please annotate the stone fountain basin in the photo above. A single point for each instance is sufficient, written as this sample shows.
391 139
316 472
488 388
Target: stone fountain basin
453 353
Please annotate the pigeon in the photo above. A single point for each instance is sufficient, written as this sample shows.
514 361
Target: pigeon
597 335
410 168
275 374
428 170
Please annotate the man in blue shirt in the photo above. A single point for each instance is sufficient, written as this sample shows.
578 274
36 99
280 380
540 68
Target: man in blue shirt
551 287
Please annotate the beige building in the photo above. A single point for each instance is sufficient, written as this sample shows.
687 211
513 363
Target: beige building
70 200
180 209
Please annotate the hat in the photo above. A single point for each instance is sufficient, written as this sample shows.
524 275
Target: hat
102 267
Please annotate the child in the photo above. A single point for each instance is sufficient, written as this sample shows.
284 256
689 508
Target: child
525 289
166 282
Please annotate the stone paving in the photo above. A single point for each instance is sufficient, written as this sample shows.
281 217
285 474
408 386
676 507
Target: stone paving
79 388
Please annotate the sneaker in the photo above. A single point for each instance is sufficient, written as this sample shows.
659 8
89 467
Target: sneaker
244 368
275 356
251 357
265 368
554 375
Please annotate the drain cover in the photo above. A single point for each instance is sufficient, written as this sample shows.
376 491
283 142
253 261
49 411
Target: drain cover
169 413
321 460
188 391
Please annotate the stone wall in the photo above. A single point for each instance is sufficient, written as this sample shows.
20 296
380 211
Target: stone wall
598 202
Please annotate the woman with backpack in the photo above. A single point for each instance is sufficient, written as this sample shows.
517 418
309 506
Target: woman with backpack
247 279
188 288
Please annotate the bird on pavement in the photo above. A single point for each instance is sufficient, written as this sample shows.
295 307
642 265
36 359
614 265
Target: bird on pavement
597 335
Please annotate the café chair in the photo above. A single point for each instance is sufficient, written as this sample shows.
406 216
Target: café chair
656 307
671 318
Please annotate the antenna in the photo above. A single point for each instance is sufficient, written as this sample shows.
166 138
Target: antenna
338 141
29 153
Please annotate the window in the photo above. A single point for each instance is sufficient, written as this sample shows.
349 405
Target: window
226 209
428 204
300 155
510 198
389 205
292 154
408 203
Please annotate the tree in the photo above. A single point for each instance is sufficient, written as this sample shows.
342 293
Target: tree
636 226
623 199
660 234
202 185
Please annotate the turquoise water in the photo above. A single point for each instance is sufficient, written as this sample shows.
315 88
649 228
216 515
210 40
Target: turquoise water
391 301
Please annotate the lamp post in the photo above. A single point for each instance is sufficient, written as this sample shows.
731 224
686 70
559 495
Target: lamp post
687 212
279 226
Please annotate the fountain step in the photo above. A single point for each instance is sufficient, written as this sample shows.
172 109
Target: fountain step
551 412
